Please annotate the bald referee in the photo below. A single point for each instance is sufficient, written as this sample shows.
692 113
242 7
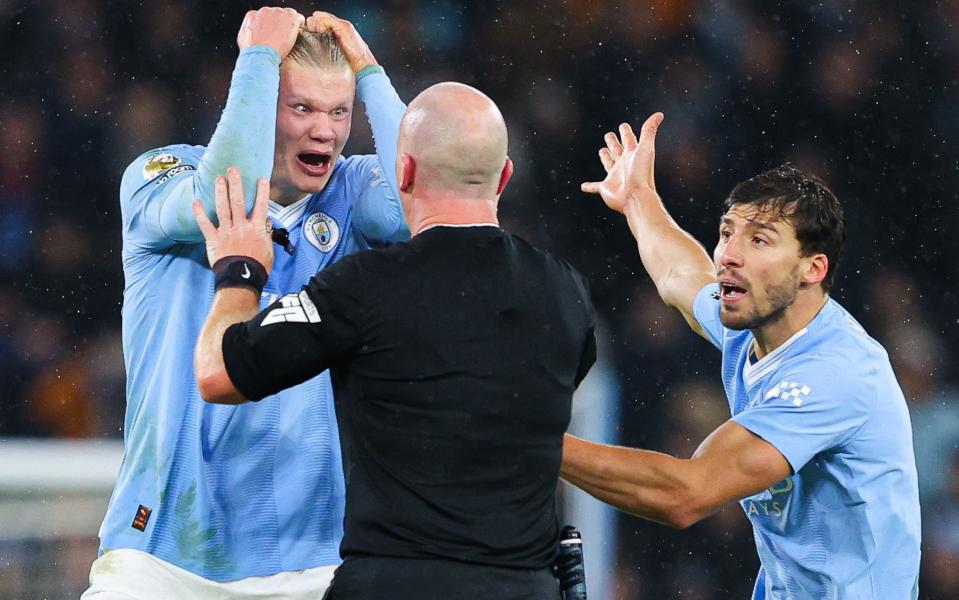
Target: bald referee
454 357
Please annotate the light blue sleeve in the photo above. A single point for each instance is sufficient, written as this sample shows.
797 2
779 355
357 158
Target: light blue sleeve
157 202
809 405
706 311
378 214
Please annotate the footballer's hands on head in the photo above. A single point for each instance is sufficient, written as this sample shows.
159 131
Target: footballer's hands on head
629 164
237 235
270 26
355 50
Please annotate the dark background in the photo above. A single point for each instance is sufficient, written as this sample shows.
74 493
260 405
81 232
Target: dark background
862 93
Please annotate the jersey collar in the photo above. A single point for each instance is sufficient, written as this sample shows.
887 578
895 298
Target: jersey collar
754 371
288 215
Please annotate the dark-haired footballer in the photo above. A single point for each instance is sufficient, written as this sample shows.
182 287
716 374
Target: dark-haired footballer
819 448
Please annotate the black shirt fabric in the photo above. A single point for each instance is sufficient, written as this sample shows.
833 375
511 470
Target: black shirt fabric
454 357
390 578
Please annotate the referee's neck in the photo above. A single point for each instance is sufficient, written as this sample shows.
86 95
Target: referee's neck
455 212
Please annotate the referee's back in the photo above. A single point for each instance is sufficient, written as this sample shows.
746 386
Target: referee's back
454 357
453 407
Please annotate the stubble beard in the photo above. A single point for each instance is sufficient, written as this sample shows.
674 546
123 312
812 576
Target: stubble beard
780 297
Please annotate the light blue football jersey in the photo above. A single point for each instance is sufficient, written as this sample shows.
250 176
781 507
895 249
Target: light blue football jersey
229 492
845 525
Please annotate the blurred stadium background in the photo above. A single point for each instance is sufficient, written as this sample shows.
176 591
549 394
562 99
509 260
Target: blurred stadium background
863 93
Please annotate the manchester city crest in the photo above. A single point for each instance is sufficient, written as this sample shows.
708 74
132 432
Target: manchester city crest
322 231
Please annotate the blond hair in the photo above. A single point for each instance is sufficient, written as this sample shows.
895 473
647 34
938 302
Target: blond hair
317 50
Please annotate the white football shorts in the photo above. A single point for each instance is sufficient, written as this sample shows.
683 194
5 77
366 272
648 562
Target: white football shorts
127 574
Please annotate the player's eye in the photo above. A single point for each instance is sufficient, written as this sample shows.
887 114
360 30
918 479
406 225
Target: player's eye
760 241
301 108
725 234
339 112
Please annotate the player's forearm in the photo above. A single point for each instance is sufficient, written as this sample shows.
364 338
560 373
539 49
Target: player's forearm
230 305
648 484
244 138
384 110
675 261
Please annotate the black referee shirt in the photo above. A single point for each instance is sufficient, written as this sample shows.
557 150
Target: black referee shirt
454 357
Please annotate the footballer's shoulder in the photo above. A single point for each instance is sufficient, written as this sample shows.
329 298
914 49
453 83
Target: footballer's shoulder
360 168
157 163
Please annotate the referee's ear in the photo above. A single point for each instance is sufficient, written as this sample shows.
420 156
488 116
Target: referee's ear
407 173
505 176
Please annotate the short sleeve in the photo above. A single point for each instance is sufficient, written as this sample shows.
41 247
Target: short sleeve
706 311
587 357
808 407
299 336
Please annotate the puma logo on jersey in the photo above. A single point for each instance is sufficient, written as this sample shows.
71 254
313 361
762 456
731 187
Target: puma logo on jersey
294 308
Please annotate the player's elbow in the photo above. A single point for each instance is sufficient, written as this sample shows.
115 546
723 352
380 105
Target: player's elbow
215 386
685 507
683 517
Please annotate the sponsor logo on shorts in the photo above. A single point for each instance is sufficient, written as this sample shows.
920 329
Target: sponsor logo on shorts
322 231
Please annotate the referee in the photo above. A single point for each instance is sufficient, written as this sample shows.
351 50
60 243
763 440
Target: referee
454 357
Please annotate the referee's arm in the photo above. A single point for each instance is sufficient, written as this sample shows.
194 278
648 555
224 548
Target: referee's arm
241 355
731 463
230 306
244 242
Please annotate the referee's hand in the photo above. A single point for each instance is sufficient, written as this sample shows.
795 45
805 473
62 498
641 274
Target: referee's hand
237 235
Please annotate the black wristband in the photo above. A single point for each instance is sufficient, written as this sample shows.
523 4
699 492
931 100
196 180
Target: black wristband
239 271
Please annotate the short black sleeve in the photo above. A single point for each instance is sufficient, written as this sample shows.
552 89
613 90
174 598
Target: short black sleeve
298 336
587 357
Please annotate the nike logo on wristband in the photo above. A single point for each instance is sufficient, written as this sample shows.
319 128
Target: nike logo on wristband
246 271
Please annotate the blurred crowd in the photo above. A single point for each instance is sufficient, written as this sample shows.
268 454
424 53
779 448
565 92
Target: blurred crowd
862 93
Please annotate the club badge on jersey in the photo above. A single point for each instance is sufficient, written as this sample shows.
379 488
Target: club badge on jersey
322 231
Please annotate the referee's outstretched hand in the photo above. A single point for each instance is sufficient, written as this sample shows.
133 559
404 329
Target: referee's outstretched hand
629 164
237 235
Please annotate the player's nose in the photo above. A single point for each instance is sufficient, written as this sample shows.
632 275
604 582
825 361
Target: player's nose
730 252
321 127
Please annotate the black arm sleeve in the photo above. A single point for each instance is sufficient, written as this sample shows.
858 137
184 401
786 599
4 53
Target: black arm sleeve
298 336
588 355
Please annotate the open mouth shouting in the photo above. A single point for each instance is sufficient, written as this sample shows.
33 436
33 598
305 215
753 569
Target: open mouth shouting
314 163
730 292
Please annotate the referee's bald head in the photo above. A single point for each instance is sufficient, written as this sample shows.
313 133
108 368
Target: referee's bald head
457 138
